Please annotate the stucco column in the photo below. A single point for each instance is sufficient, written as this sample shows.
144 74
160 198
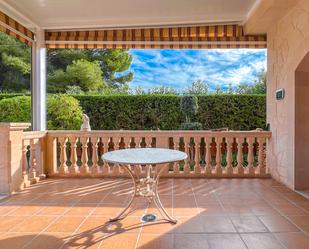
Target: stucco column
11 136
38 83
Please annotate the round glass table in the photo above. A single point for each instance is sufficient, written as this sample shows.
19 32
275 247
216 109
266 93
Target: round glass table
145 186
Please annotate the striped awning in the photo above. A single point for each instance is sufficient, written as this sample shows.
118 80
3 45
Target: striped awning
214 36
15 29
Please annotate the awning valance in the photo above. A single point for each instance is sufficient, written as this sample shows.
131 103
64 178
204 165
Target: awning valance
214 36
15 29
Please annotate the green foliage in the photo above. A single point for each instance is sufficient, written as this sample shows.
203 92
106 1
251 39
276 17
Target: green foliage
237 112
73 90
144 112
16 109
191 126
63 113
189 106
259 86
197 87
87 75
14 65
111 62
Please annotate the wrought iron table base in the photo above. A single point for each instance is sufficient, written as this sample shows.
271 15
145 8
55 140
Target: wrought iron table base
151 192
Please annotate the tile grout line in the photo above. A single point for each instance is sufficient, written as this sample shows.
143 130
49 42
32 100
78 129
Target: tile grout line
198 209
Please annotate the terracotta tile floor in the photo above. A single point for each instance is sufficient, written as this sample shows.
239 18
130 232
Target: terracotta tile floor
211 213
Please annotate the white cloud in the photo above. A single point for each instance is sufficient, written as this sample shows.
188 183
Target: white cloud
179 68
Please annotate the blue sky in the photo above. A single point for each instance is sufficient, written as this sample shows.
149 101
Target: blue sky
179 68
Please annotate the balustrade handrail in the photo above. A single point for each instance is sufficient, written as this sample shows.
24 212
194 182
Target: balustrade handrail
257 133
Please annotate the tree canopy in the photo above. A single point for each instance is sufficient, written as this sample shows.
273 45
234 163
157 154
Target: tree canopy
111 62
15 65
89 69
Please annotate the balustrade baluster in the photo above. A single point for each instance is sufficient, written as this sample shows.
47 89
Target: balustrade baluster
176 147
94 157
105 167
197 155
218 168
33 164
208 166
261 169
251 170
240 159
63 169
186 169
26 181
74 167
229 155
84 169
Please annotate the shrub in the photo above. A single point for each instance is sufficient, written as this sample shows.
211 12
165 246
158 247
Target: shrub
191 126
63 113
16 109
189 106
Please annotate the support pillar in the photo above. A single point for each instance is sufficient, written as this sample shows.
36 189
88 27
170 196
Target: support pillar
38 83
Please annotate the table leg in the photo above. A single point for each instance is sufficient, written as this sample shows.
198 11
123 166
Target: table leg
158 202
122 214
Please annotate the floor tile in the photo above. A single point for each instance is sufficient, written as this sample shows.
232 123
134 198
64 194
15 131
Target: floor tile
232 210
293 240
276 223
33 224
66 224
81 209
261 241
208 241
231 241
211 209
158 227
192 241
54 209
301 221
48 241
211 213
155 241
9 222
26 210
205 224
126 241
15 240
289 209
248 224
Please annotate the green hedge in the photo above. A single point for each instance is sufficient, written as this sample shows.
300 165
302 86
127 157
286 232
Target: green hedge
144 112
237 112
140 112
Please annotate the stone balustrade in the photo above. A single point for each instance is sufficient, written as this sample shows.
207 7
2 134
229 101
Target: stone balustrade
29 156
210 154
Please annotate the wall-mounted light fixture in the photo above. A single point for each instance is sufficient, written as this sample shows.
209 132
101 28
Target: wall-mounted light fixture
280 93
